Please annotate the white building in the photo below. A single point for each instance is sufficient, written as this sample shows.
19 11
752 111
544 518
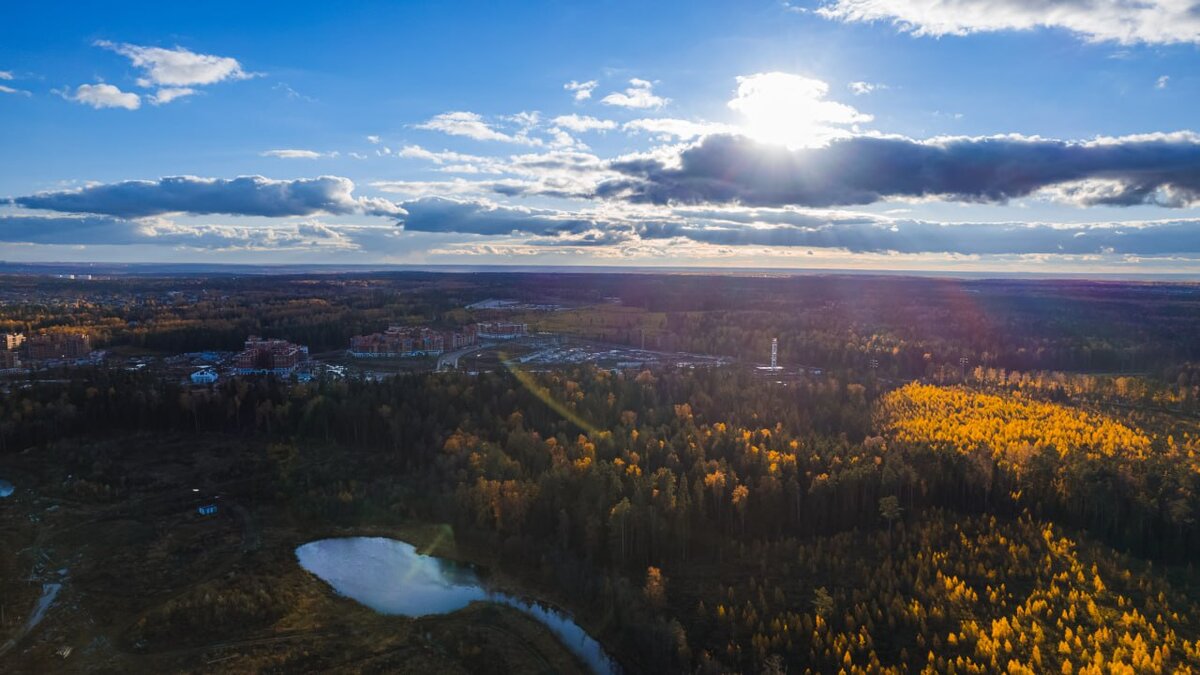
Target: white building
501 330
204 376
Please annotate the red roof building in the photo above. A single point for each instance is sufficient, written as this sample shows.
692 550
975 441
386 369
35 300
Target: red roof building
404 341
275 357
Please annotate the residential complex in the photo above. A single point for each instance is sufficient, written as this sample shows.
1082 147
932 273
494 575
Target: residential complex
275 357
405 341
457 339
58 346
9 360
501 330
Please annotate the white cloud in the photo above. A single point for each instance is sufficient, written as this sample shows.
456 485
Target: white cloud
300 236
640 95
292 93
168 94
860 88
560 173
1123 21
417 152
104 96
471 125
72 230
567 174
7 75
583 90
177 67
583 123
461 123
791 110
668 128
298 154
525 119
452 162
415 188
375 140
562 140
1162 81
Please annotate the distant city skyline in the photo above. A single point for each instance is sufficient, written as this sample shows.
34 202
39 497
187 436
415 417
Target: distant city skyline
957 135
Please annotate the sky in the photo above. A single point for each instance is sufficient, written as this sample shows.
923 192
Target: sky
961 135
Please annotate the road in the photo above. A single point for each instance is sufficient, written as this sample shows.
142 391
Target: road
449 360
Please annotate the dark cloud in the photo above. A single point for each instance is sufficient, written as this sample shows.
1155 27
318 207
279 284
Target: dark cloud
912 236
558 189
242 196
860 233
724 169
68 230
435 214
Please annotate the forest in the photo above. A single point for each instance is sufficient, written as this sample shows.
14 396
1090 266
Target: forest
744 525
1024 514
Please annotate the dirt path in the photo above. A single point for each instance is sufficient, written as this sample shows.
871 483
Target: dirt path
49 593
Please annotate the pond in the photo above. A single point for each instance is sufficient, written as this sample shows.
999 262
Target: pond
391 577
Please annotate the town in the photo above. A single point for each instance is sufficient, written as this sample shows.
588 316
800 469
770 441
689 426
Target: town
395 349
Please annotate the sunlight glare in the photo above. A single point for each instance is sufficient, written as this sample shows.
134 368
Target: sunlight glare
791 110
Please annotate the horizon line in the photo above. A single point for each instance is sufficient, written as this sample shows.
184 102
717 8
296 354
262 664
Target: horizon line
39 268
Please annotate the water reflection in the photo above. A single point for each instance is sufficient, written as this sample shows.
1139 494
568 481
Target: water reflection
390 577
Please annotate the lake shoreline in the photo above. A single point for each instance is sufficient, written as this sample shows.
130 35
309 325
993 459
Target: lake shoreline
393 577
441 540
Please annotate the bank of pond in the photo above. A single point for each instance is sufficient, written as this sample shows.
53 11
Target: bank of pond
391 577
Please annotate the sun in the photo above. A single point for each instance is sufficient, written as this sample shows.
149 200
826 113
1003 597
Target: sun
791 110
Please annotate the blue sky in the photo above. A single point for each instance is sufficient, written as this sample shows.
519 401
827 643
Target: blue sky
888 134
